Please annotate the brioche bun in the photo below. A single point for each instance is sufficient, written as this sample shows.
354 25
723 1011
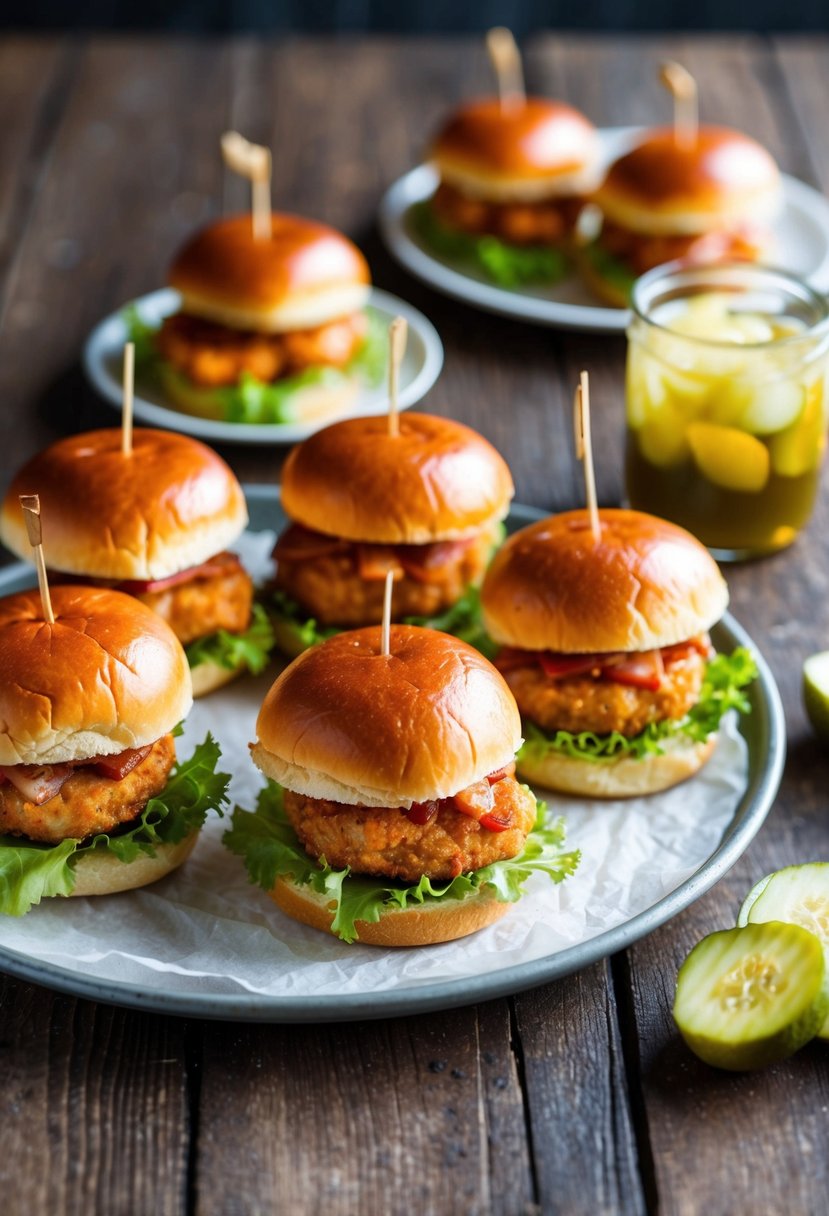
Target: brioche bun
628 777
109 674
308 403
99 872
170 505
305 275
346 723
662 188
524 152
424 925
644 584
436 480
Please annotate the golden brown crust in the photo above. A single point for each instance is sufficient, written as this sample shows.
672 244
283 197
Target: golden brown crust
107 675
305 272
384 841
645 584
172 504
537 139
436 480
88 804
99 872
724 177
204 605
424 925
346 723
628 777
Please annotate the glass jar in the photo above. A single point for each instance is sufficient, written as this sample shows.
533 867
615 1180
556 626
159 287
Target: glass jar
726 403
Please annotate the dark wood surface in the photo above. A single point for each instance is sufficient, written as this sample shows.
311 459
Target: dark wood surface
575 1098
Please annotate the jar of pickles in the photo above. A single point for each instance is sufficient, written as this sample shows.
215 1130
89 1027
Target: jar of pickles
726 403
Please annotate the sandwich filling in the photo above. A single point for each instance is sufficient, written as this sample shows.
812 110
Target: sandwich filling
547 221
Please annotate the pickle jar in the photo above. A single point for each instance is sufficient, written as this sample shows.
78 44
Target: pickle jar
726 403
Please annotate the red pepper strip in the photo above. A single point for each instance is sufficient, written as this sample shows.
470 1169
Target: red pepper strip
560 666
222 563
644 670
495 823
422 813
117 767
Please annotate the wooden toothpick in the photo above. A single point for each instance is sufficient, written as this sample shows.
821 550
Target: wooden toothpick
398 332
31 514
252 161
506 61
584 449
127 397
385 642
683 88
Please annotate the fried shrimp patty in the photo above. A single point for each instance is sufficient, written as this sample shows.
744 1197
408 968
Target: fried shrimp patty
580 703
87 803
384 841
214 355
202 605
332 590
545 222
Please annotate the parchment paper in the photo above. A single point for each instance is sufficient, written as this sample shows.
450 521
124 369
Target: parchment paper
205 929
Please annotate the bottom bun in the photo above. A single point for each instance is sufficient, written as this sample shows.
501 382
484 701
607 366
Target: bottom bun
425 925
624 778
207 677
99 872
306 403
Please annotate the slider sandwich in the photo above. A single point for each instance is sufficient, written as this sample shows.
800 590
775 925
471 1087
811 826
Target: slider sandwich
155 523
396 818
604 642
425 503
92 798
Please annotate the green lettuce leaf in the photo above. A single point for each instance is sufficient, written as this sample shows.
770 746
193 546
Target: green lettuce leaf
252 400
505 264
463 620
726 676
294 630
29 871
233 651
610 268
267 844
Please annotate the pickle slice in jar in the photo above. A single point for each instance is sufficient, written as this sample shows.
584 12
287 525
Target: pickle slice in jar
728 457
798 895
750 996
662 438
799 448
771 407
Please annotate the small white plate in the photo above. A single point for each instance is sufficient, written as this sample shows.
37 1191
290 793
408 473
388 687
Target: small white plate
103 353
801 235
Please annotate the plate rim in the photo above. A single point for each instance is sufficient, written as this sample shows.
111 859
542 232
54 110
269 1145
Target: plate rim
749 815
553 314
213 431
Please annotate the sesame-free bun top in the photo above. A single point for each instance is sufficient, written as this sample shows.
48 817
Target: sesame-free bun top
435 480
644 584
306 274
171 504
662 187
528 150
345 722
109 674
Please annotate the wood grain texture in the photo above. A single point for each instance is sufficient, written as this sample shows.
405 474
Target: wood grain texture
93 1107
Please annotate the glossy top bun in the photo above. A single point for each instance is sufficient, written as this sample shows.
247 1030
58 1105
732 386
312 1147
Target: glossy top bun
346 723
645 584
663 188
521 152
436 480
109 674
306 275
172 504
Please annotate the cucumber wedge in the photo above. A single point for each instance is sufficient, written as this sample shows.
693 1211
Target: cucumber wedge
798 895
816 692
750 996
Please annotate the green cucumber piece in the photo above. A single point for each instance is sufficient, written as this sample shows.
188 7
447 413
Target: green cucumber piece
816 692
798 895
751 996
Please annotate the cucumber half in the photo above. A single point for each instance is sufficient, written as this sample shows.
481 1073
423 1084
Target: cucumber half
798 895
750 996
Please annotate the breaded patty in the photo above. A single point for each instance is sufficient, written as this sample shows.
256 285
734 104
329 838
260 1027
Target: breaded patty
385 842
545 222
330 588
580 703
88 803
203 605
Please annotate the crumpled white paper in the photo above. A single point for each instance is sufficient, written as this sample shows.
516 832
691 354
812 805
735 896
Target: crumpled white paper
206 930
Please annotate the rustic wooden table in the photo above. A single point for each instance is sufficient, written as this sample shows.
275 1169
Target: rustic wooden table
575 1098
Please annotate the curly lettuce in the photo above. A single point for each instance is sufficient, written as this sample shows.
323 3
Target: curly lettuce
270 849
463 620
252 400
726 678
294 631
233 651
507 265
30 871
